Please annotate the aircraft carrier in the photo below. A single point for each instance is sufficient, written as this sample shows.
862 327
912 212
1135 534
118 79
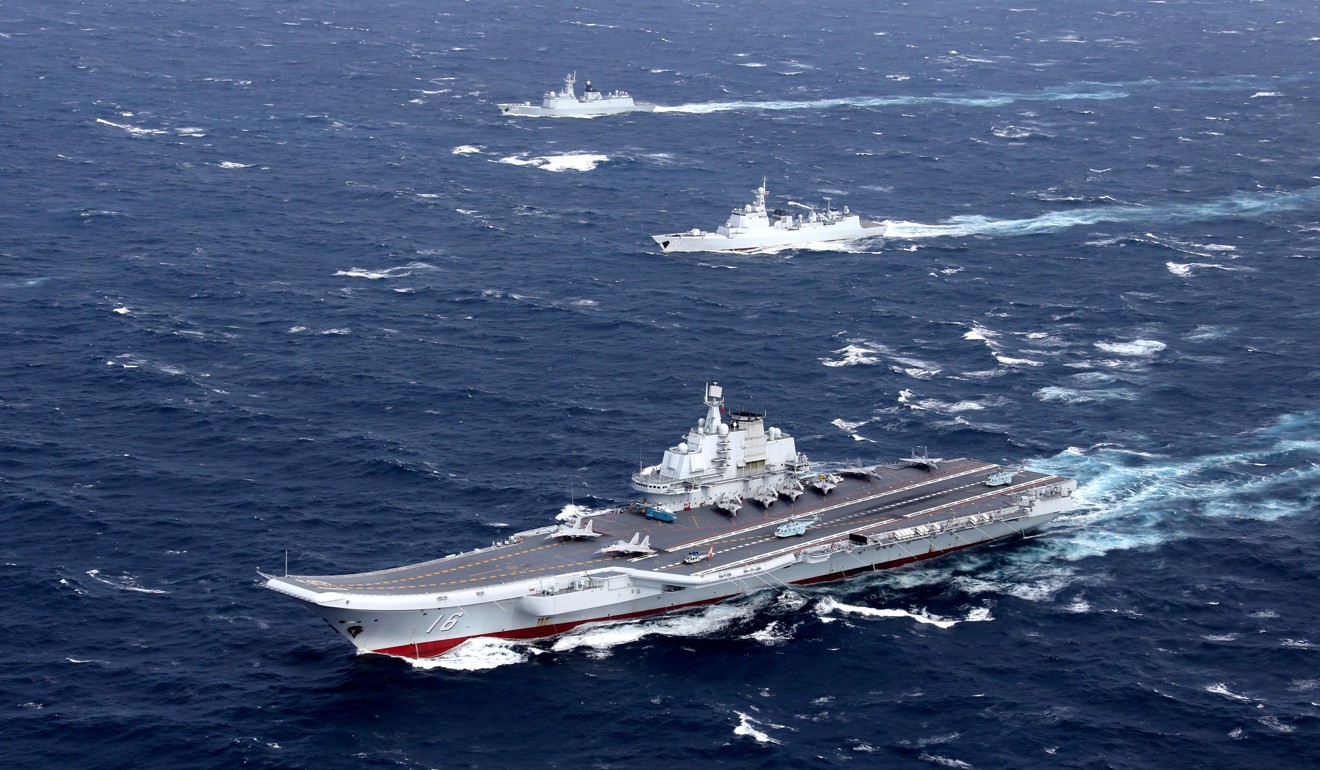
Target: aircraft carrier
731 509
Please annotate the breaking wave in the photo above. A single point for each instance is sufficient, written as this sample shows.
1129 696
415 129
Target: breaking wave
747 726
829 605
122 582
480 654
571 161
602 638
390 272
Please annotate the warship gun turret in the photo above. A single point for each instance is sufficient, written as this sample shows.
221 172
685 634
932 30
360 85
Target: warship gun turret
703 544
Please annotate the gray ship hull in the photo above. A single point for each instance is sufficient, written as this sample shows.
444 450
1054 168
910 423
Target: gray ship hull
770 239
581 110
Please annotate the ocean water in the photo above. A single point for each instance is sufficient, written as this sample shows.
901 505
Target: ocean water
278 278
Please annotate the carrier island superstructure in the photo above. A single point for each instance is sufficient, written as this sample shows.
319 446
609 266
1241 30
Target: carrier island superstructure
732 508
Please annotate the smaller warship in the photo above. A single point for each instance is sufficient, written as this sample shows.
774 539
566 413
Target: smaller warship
565 103
753 227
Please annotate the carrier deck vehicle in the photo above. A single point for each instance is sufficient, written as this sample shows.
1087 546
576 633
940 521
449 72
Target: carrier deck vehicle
565 103
732 487
752 227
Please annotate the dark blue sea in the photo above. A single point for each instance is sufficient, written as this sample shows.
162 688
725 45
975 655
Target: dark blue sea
277 277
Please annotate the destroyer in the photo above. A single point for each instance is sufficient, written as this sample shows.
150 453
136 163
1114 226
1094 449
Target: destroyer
752 227
749 512
567 104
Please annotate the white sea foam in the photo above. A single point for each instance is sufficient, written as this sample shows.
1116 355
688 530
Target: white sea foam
988 100
777 632
1012 132
1274 723
789 601
572 161
864 352
1237 205
830 605
1063 395
1093 378
913 367
1010 361
1304 685
906 397
391 272
479 654
1186 269
134 130
990 338
122 582
573 511
233 164
1133 348
936 759
1203 333
1133 500
66 584
747 726
1219 688
602 638
854 355
466 149
1040 584
848 427
122 311
1077 606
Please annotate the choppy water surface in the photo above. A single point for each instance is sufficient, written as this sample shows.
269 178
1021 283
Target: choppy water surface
280 277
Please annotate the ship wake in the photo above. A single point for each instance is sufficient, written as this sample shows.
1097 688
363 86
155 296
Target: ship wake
1240 205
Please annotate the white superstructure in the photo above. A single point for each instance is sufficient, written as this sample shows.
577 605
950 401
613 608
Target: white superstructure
719 461
752 226
566 103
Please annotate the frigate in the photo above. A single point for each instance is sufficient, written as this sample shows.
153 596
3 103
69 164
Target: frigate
753 227
749 512
565 103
